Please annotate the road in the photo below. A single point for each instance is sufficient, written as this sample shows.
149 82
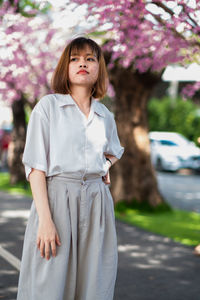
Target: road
14 210
150 266
180 191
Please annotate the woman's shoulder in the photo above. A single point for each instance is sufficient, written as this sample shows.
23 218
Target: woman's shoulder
45 101
43 106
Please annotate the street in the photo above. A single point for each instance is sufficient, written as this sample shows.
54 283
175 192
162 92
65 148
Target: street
180 191
150 266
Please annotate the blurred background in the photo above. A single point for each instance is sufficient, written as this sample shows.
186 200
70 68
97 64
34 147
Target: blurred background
151 50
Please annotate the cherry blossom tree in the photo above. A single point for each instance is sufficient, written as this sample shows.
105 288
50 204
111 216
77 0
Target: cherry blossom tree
26 62
28 8
140 38
32 37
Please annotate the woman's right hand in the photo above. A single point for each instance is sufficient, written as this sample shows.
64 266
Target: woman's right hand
47 238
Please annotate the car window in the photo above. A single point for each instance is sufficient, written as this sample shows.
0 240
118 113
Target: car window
167 143
169 139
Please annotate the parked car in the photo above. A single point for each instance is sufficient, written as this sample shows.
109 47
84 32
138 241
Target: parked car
171 151
5 138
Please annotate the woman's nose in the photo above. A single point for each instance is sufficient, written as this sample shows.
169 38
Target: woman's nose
83 63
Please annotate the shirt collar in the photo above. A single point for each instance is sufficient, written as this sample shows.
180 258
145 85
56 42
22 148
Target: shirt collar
66 99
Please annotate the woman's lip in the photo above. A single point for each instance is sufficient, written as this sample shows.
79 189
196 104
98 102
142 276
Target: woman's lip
83 72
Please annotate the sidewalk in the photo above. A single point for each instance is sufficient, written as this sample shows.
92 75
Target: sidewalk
150 267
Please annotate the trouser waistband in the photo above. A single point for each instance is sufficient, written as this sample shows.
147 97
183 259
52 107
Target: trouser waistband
67 178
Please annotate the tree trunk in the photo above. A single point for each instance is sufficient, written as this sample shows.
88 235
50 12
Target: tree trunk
133 177
16 146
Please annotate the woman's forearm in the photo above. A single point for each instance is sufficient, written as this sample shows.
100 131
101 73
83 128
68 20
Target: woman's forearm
39 192
47 235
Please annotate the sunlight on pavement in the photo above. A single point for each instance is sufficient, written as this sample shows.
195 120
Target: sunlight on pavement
8 272
124 248
15 214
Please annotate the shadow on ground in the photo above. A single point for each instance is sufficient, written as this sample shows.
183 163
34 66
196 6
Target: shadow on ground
154 267
150 266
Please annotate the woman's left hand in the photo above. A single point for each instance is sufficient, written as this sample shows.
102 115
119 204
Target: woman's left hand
106 178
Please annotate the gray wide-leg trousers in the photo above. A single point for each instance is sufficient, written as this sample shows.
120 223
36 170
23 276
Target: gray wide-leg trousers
85 266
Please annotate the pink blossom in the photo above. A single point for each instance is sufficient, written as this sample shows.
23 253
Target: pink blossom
29 61
150 44
190 89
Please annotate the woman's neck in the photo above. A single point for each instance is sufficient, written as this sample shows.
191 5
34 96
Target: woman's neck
81 95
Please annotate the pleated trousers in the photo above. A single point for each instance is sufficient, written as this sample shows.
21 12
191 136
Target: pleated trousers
85 266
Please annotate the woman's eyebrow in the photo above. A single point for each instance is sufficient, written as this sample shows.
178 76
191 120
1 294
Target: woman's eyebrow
87 54
90 54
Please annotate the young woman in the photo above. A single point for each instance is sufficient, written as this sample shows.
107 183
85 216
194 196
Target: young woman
70 244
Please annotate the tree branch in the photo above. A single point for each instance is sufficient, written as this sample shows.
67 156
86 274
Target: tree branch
191 19
163 6
176 33
169 11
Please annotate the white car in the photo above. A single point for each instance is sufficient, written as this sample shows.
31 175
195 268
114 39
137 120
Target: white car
172 151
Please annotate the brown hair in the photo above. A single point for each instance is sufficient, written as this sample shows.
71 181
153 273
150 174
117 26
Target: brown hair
60 79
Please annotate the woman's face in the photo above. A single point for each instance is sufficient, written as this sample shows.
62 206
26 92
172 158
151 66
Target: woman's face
83 68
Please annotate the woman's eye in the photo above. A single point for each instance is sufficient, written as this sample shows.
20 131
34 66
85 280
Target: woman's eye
91 59
76 59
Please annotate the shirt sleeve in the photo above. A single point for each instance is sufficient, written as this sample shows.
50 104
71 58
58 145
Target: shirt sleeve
36 148
113 147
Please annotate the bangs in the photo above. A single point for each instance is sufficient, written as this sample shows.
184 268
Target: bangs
81 43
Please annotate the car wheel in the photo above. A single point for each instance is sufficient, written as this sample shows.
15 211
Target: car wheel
159 165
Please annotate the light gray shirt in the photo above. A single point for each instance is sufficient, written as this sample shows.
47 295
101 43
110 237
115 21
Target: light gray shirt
61 139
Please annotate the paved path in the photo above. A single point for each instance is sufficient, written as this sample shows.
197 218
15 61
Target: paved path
150 267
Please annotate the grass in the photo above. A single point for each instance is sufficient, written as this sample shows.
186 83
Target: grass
22 188
181 226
